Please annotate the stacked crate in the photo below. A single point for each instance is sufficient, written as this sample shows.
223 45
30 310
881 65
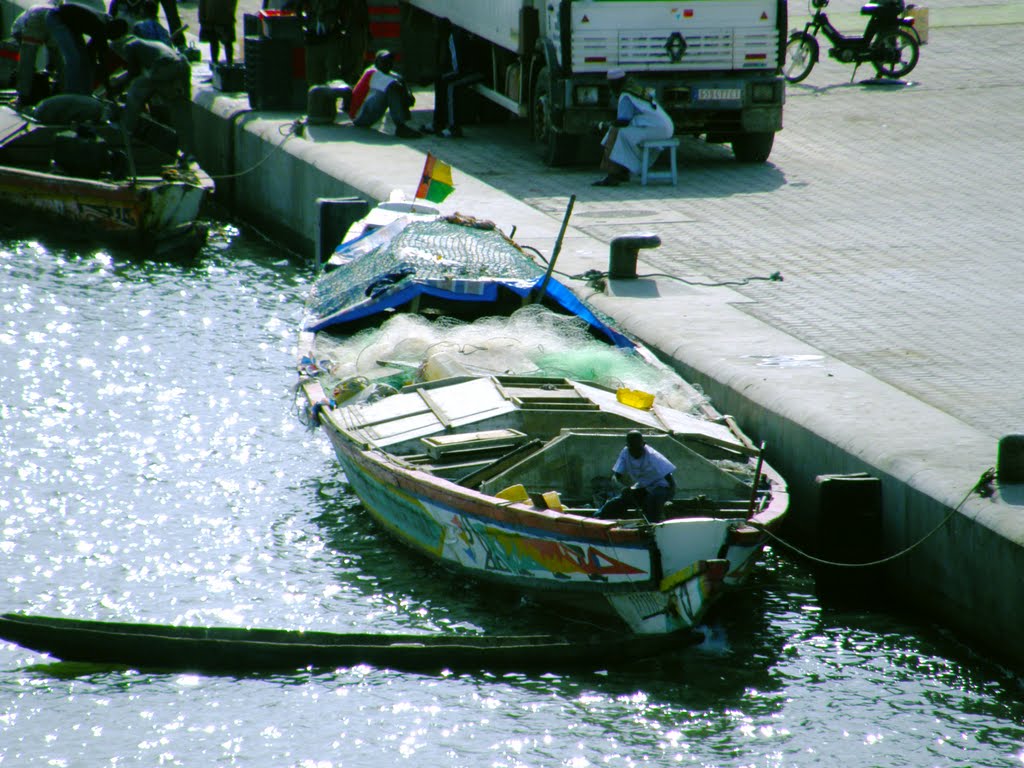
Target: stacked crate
275 61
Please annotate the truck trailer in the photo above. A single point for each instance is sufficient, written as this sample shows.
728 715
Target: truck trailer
714 65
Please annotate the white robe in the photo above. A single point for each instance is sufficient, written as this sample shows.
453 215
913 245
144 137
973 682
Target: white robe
647 120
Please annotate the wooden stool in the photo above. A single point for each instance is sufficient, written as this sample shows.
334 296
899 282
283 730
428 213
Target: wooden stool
669 145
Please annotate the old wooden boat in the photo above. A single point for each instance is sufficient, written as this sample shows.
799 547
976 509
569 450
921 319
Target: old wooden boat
241 649
477 406
85 179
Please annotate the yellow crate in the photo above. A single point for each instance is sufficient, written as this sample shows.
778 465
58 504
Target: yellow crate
635 398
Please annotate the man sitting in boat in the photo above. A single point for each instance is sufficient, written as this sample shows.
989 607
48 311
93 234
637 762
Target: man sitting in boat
647 477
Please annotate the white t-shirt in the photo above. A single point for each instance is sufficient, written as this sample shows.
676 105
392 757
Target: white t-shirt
648 471
379 81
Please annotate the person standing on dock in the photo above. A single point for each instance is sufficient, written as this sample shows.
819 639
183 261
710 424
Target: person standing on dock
336 35
217 26
454 75
355 26
647 477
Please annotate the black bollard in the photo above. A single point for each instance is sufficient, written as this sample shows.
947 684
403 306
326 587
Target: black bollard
623 254
321 105
1010 460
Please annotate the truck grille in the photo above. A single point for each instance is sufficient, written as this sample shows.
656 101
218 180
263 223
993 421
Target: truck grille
648 50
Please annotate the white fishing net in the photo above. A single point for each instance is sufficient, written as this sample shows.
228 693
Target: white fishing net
532 341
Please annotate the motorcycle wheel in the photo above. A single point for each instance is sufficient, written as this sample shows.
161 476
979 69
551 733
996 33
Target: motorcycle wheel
895 53
801 54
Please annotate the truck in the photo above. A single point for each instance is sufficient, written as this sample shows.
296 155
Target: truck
714 65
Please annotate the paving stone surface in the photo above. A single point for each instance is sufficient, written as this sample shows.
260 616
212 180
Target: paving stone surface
893 212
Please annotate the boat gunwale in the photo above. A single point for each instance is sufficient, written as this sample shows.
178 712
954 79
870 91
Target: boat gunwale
391 470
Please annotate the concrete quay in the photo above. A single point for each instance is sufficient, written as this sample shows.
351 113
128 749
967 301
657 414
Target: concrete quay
892 345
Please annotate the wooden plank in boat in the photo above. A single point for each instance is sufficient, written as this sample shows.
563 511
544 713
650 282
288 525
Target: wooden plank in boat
562 398
467 402
488 440
607 401
387 433
398 406
685 425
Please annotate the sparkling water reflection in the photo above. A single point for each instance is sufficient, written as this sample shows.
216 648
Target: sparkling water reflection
153 470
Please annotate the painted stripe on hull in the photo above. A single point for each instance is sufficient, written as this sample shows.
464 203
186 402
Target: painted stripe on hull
572 571
496 551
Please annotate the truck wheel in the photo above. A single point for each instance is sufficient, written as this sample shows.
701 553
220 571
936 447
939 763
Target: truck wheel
753 147
556 148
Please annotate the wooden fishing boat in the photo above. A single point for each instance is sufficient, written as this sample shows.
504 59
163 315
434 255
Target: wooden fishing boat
87 181
239 649
477 406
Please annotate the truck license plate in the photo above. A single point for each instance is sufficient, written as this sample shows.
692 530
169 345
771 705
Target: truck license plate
718 94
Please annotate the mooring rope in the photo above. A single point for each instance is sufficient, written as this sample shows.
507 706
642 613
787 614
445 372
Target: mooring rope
292 129
979 487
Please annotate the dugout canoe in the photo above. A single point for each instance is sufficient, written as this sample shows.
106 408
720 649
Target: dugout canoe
243 649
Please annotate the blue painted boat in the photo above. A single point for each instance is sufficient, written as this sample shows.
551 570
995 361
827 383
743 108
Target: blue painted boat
476 407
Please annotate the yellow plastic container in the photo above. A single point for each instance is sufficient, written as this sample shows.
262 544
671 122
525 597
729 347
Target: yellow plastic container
513 493
552 500
635 398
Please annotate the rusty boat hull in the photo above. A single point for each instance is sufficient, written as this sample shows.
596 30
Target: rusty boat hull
150 204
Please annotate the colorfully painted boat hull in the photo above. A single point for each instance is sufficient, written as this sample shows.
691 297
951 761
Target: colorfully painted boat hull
593 566
435 445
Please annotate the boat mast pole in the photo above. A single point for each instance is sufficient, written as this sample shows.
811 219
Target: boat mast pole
554 254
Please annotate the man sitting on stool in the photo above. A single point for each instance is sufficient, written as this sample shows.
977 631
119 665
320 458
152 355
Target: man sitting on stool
647 476
637 117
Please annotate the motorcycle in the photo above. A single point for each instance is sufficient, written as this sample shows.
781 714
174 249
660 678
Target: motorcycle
889 42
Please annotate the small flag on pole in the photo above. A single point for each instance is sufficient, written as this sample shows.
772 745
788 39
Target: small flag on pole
436 182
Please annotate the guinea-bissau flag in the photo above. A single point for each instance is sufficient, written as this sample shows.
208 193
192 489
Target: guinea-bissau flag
436 181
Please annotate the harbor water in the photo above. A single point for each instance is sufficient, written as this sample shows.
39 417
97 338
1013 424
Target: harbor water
153 469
